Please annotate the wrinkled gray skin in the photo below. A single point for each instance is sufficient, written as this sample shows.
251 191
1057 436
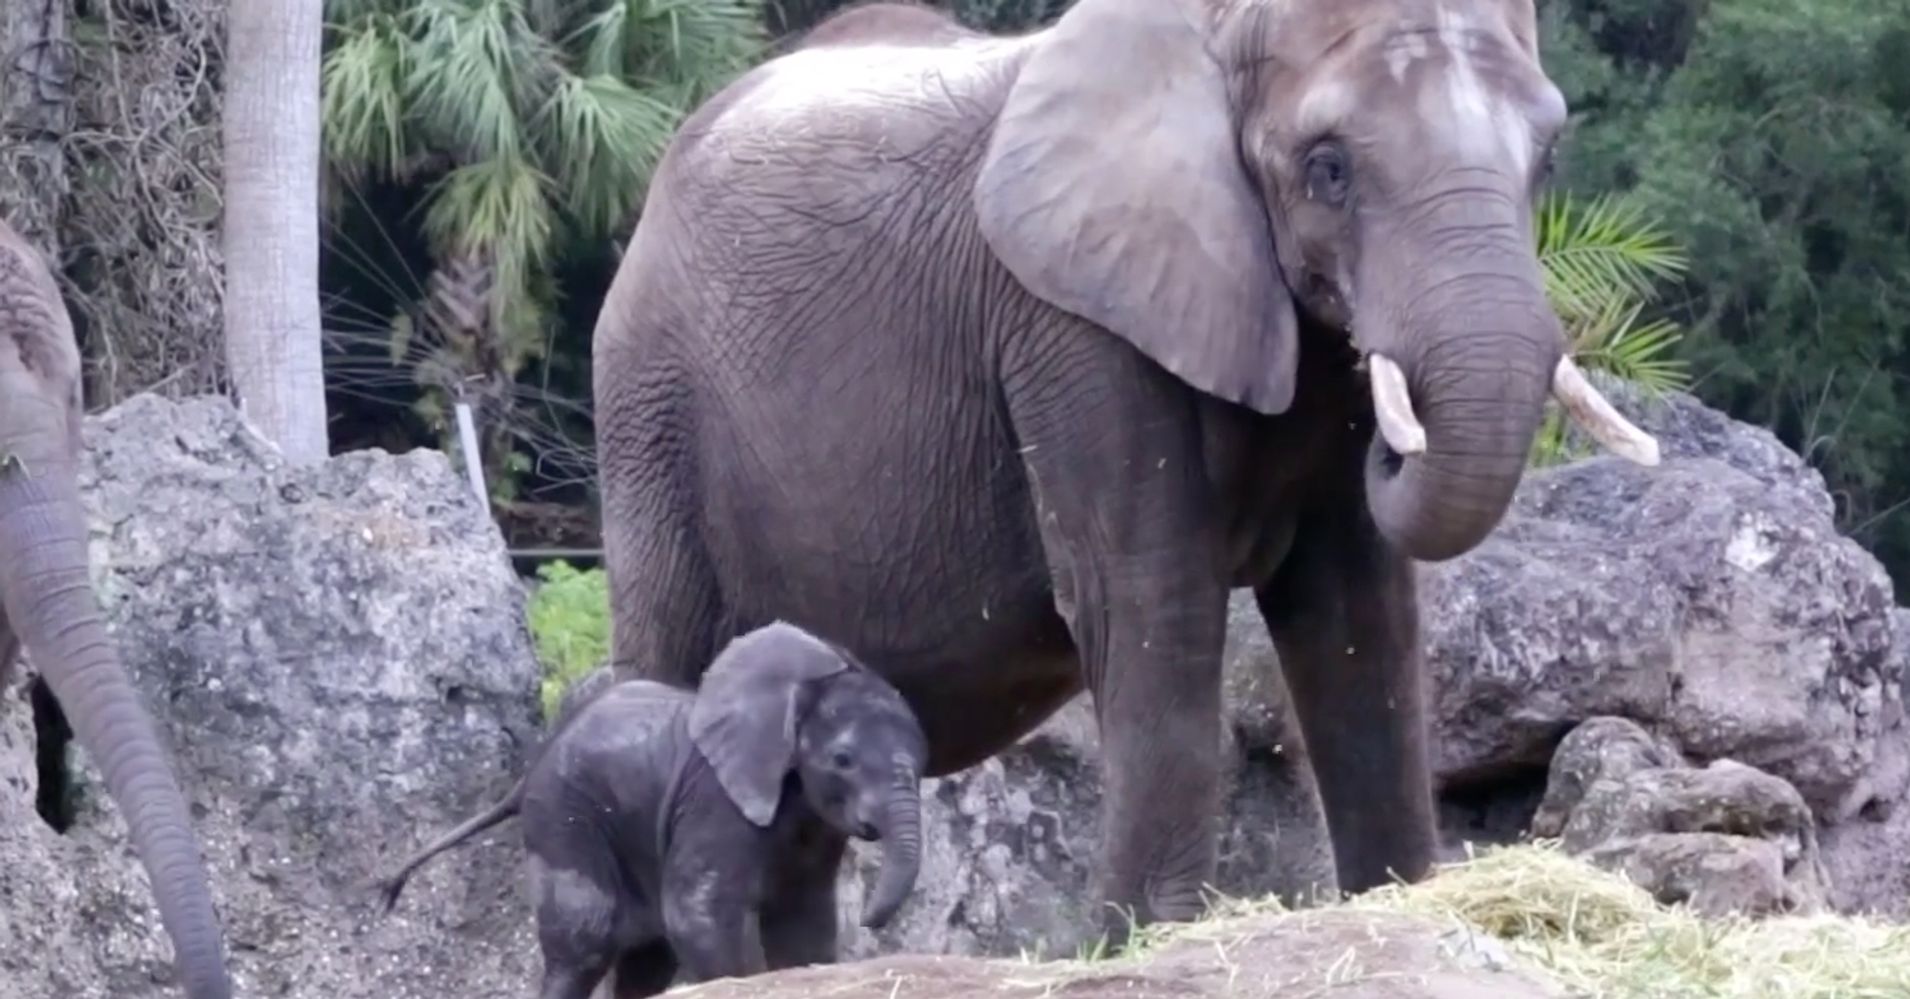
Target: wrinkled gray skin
1001 360
48 606
703 832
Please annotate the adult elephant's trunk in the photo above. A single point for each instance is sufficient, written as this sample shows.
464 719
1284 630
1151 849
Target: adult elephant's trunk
1463 404
1459 381
49 602
901 831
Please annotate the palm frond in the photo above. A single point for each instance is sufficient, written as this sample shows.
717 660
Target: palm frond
361 100
600 44
1595 251
602 138
695 46
1638 353
1602 262
477 65
499 204
548 112
340 14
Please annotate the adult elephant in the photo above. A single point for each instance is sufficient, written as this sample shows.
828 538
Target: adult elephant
47 604
1001 360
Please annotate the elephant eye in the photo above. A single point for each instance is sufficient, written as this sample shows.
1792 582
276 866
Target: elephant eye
840 760
1327 174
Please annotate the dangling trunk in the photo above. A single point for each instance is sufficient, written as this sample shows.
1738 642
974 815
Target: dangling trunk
901 831
1473 368
49 601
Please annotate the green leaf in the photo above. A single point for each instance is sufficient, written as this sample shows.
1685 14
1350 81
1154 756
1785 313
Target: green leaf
1602 261
1597 251
476 67
361 98
604 138
569 617
693 46
497 205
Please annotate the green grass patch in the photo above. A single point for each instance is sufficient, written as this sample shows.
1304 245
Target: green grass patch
569 615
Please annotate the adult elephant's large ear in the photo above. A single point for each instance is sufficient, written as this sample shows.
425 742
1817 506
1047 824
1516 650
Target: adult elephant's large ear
1113 188
747 707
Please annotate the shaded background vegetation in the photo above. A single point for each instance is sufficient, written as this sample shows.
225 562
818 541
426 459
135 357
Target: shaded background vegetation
1738 170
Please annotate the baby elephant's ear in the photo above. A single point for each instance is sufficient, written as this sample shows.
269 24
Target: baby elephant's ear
747 707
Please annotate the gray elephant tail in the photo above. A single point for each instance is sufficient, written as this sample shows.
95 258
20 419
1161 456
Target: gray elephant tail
390 886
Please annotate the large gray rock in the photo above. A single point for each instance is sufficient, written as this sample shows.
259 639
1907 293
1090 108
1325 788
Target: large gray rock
338 655
1724 838
1865 853
1711 598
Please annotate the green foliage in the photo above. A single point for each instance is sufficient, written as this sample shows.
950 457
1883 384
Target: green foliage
569 614
1772 147
1603 261
529 130
1008 16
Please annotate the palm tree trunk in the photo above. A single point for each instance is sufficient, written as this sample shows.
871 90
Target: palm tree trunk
271 131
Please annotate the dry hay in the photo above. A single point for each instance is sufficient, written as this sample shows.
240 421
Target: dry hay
1514 923
1605 937
137 222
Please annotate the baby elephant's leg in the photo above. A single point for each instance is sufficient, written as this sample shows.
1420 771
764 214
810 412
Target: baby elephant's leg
644 971
576 929
799 918
571 981
710 923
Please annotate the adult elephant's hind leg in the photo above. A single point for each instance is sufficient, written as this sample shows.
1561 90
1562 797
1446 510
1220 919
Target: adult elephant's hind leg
664 599
1343 614
1112 450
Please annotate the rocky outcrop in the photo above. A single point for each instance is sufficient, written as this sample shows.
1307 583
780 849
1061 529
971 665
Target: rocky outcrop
339 658
1712 601
1724 838
1865 853
1711 598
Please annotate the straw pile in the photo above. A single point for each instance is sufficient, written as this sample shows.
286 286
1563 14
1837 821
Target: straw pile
1602 936
1524 922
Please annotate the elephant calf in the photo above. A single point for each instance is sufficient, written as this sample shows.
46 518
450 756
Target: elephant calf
706 829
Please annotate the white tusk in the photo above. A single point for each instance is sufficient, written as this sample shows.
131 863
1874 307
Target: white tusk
1393 405
1596 416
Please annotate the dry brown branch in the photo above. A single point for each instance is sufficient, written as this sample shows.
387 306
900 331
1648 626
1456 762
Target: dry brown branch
139 233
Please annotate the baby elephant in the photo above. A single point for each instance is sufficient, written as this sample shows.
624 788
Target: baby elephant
704 830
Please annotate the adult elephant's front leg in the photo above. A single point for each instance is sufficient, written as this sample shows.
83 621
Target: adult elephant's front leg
1113 454
1344 616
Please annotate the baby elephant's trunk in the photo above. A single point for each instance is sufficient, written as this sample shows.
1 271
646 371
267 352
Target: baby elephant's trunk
901 830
